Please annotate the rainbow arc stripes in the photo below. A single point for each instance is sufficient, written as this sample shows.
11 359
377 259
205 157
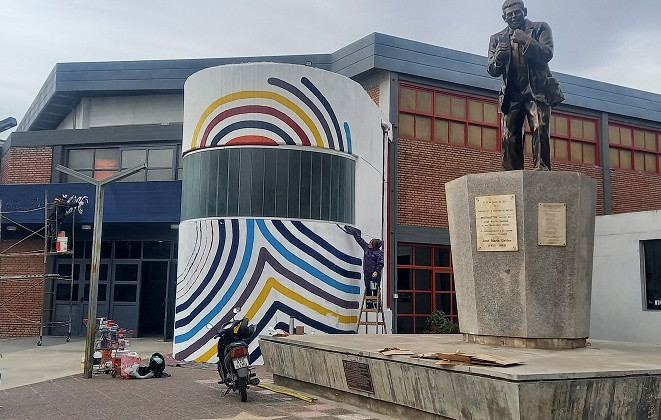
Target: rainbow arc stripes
240 118
251 263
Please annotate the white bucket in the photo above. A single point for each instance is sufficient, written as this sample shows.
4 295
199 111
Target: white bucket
62 244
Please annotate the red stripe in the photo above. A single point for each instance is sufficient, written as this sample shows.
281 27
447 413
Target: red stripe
255 109
241 140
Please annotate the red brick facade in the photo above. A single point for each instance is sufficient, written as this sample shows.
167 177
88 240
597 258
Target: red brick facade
27 165
374 93
21 299
633 191
423 168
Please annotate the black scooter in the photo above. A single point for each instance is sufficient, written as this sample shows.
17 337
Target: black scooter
233 365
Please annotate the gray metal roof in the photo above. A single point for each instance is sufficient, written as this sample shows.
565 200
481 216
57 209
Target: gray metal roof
69 82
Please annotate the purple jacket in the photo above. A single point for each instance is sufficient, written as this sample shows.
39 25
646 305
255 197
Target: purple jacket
373 257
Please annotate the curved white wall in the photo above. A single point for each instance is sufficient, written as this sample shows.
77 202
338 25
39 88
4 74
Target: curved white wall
276 268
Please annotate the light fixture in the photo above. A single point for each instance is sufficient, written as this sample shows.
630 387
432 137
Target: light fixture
11 227
86 227
174 227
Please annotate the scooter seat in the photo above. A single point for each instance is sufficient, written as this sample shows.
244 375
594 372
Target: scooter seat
236 344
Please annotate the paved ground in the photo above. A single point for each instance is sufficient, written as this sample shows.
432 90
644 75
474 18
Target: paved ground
192 392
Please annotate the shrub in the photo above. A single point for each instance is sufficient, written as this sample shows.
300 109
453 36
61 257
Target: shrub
440 324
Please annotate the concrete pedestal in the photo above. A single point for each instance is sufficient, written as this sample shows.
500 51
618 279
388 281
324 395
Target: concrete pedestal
536 292
606 380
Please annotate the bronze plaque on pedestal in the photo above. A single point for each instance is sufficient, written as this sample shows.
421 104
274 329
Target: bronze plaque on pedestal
358 376
552 224
495 223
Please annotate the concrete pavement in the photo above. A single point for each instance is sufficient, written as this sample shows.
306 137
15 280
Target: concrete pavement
47 382
24 363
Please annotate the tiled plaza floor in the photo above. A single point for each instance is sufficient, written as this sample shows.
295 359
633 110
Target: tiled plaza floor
192 392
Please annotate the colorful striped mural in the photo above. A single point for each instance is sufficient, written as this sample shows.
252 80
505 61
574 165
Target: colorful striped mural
264 117
280 267
272 269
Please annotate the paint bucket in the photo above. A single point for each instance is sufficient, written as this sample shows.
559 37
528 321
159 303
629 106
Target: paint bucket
62 243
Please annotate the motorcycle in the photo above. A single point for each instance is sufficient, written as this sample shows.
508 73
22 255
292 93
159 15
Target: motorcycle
233 365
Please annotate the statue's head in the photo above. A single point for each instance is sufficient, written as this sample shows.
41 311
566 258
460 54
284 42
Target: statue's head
514 13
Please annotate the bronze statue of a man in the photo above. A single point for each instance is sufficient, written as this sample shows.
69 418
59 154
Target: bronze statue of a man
520 54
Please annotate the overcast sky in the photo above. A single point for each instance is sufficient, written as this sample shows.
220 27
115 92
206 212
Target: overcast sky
607 40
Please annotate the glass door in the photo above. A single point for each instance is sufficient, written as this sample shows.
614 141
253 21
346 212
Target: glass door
425 284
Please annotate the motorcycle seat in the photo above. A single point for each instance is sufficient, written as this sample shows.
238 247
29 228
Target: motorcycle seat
236 344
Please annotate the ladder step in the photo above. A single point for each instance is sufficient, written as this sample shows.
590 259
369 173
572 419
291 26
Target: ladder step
371 323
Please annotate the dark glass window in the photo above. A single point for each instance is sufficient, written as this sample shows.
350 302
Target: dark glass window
126 272
102 292
232 180
103 272
652 255
106 249
63 290
424 285
128 249
125 292
245 168
257 175
156 250
268 182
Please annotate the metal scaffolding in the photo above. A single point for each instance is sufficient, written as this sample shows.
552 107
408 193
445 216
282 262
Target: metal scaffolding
47 280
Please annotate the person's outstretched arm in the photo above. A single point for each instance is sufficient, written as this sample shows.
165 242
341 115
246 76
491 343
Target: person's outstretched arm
357 236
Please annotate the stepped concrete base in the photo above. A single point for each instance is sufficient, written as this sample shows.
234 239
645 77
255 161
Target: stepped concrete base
605 380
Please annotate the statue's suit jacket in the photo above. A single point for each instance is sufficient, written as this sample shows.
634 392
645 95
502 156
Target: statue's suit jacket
538 53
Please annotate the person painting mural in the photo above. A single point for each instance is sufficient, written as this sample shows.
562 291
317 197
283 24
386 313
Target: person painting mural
58 209
372 261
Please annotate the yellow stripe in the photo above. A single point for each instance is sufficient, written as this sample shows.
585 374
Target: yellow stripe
246 94
272 283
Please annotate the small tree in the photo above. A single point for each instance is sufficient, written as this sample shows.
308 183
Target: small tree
440 324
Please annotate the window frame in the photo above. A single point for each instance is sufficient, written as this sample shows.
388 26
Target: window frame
174 168
569 138
434 269
466 120
633 148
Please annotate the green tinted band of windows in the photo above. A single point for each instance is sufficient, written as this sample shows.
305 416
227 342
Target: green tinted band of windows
268 182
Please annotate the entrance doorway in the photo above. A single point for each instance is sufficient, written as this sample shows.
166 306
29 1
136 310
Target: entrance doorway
133 285
153 289
425 283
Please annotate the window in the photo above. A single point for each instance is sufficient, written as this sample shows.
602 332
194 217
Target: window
96 163
425 283
443 117
573 139
102 163
268 182
652 280
634 148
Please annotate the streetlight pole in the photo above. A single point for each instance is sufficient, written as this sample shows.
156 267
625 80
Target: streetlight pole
96 253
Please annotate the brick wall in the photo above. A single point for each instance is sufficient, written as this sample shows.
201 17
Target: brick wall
632 191
27 165
21 300
374 93
424 167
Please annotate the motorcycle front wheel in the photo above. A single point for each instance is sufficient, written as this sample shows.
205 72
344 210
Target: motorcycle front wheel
243 389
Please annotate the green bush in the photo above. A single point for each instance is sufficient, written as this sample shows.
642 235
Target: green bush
440 324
